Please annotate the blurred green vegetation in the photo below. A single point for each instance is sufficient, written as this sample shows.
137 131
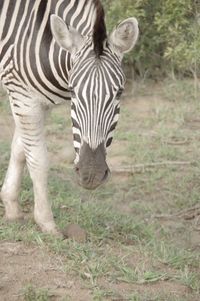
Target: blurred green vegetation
169 35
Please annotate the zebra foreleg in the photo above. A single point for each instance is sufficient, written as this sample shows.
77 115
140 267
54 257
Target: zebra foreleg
11 187
42 210
31 128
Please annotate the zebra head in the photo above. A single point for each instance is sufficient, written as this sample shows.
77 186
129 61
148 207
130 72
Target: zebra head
96 82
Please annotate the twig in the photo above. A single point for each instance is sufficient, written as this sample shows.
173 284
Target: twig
138 168
187 214
176 142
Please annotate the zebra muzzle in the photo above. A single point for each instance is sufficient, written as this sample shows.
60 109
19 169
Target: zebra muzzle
92 169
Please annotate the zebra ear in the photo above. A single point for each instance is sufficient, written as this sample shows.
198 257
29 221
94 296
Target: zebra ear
125 35
66 36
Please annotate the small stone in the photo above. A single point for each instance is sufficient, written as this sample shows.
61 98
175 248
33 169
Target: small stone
75 232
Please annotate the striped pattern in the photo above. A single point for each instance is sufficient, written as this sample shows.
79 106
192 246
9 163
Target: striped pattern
97 100
32 63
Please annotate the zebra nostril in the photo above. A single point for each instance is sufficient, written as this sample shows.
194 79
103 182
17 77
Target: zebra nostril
86 179
105 175
77 170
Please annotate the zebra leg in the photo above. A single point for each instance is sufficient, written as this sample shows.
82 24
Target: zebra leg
30 123
12 182
37 162
3 91
42 210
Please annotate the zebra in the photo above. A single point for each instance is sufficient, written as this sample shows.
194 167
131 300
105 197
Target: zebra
52 52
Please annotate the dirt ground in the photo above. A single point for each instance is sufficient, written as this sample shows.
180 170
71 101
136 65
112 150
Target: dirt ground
21 263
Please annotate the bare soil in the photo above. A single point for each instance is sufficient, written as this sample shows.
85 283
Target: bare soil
21 265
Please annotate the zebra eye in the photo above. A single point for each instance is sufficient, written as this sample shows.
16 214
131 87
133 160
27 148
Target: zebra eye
119 93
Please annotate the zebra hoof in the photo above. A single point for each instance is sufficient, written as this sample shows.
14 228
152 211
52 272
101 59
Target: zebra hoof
51 229
19 219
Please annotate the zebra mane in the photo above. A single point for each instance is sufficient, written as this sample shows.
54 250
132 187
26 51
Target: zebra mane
99 31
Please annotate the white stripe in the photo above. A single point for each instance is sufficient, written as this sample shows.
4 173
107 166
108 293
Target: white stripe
77 12
3 17
76 131
12 24
90 21
37 51
67 9
76 144
85 15
19 32
51 55
27 61
7 57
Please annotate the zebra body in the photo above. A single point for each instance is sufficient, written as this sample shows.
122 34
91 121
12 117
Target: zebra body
44 62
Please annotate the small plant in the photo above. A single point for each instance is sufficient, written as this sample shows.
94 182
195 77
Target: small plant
31 293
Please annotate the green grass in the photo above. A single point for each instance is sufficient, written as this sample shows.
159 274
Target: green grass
30 293
126 243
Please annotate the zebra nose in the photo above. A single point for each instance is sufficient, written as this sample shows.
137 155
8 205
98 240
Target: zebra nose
90 179
92 169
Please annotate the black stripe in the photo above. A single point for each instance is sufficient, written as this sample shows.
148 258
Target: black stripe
10 12
77 138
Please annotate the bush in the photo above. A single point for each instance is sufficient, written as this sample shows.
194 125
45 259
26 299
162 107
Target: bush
169 34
